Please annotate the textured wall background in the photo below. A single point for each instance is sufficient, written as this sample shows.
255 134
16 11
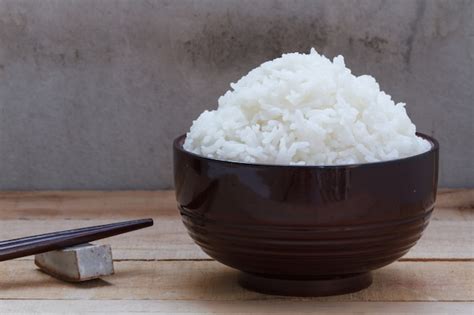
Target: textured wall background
92 92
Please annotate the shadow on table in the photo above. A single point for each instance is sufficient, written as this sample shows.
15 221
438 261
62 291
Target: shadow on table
390 282
39 283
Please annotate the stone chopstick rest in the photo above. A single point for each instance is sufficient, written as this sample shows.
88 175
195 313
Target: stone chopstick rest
37 244
78 263
68 255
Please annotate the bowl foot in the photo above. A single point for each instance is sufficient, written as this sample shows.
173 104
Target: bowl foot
322 286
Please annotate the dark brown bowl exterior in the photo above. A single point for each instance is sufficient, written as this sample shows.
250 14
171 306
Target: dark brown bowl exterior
292 222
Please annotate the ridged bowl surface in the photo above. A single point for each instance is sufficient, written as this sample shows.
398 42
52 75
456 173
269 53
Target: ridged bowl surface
294 222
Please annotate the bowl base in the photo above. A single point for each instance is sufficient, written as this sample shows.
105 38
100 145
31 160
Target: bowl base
323 286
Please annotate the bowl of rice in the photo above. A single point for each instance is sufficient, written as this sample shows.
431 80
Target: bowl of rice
305 178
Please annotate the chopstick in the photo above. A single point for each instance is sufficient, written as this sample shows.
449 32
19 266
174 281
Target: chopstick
37 244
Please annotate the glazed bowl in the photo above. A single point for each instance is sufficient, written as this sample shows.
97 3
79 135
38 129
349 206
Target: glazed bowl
305 230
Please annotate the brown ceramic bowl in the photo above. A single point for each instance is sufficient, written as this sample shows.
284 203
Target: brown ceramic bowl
305 230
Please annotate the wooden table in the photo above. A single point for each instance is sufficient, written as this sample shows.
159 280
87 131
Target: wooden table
159 269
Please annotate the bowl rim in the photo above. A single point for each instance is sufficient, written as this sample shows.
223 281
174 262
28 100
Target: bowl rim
178 146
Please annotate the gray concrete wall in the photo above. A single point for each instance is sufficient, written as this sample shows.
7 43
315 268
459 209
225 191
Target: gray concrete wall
92 92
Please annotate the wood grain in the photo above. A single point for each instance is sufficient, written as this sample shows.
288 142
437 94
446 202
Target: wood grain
132 204
86 204
233 307
455 198
210 280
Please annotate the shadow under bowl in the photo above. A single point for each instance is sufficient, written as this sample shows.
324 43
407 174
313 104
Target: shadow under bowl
305 230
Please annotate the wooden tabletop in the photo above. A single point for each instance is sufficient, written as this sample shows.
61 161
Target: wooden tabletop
160 269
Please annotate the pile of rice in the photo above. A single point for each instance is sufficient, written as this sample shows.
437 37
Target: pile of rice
303 109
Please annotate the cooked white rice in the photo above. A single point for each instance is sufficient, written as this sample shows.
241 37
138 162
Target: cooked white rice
304 109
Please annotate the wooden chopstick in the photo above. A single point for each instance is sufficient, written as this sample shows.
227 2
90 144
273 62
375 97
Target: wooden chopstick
64 233
42 236
37 244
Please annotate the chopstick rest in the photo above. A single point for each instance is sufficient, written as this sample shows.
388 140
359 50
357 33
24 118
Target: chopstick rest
38 244
68 255
78 263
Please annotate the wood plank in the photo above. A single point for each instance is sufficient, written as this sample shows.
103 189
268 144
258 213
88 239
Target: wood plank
209 280
455 198
132 204
445 239
86 204
232 307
